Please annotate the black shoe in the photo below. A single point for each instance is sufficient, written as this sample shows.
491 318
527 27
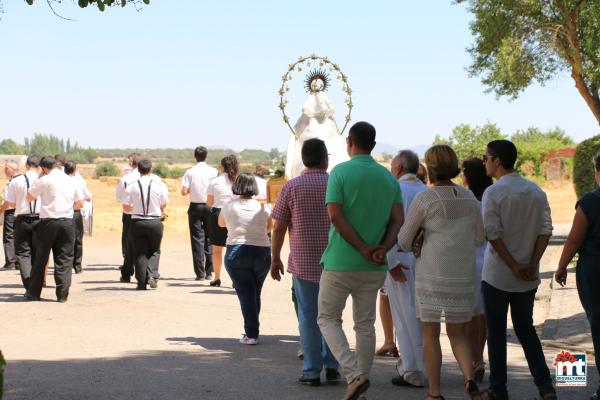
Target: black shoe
153 283
491 395
209 277
78 271
310 381
472 390
30 297
400 381
140 287
547 392
125 279
332 375
201 277
216 282
62 299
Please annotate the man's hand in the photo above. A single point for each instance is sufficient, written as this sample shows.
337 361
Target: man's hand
560 276
276 269
397 273
525 272
373 254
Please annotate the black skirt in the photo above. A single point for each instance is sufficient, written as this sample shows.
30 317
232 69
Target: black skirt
217 234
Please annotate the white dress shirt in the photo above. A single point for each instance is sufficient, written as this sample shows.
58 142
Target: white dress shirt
125 181
262 188
58 192
17 193
150 208
517 211
220 189
197 179
6 192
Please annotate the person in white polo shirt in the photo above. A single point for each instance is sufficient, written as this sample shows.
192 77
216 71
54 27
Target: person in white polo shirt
126 246
26 216
146 200
55 232
195 183
11 170
70 168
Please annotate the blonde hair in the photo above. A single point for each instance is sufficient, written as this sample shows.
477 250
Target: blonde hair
442 163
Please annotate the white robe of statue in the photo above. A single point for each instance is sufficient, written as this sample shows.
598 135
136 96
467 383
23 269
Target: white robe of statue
316 121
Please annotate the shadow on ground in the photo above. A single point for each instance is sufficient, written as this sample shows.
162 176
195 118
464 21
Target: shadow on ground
217 368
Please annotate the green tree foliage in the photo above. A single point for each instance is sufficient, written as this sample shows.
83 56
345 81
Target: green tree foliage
9 146
521 42
469 142
107 169
533 146
50 145
161 169
101 4
583 169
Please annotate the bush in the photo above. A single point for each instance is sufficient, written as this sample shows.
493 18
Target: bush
583 168
107 169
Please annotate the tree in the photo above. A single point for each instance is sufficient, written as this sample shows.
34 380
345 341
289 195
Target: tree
534 145
9 146
101 4
519 42
470 142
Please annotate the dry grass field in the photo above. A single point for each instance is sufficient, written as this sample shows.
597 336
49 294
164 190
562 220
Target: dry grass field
107 212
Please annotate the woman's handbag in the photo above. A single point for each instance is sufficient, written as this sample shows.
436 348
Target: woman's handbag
417 243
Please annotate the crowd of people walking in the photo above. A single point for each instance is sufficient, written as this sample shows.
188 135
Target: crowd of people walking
439 252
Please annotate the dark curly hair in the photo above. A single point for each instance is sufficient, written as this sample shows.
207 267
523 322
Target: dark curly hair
231 167
477 179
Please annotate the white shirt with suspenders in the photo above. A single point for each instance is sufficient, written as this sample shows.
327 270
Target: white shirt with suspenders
146 197
17 193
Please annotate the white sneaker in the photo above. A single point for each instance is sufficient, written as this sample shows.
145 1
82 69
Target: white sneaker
246 340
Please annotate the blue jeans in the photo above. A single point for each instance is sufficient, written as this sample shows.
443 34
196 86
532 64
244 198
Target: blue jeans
248 267
496 304
588 279
316 352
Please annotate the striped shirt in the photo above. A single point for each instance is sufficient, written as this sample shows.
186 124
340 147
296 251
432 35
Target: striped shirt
301 204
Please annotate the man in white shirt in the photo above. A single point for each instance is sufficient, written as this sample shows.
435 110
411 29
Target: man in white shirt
126 246
55 232
26 216
70 168
400 283
518 226
195 184
146 200
260 173
11 170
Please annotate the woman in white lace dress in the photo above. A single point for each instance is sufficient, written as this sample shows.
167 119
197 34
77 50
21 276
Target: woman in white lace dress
450 218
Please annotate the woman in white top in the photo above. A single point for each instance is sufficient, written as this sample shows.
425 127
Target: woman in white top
219 194
476 179
450 218
248 255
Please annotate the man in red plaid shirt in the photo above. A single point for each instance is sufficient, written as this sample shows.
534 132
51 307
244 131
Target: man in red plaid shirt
301 209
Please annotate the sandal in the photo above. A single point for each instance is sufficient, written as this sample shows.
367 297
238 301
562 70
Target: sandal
430 396
478 372
472 390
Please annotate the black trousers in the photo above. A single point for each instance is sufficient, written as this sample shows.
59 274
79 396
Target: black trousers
24 227
78 248
127 247
56 235
147 235
198 221
8 239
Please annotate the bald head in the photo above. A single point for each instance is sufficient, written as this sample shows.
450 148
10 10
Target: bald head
11 168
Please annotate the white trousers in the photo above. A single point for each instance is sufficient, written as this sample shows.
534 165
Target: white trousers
409 331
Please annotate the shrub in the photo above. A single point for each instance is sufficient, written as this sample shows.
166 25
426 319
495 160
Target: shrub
107 169
583 169
161 170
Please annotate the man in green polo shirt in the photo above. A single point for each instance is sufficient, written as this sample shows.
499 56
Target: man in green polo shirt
365 207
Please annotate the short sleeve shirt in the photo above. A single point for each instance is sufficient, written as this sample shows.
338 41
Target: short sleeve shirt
590 205
220 189
301 204
196 179
58 192
367 191
154 193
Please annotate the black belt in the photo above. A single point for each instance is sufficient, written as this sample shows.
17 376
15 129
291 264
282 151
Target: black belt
77 211
57 219
143 217
29 217
10 211
197 204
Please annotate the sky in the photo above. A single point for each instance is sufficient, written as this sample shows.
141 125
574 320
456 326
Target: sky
182 73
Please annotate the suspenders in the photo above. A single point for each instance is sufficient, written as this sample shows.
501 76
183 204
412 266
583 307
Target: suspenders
31 209
145 207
